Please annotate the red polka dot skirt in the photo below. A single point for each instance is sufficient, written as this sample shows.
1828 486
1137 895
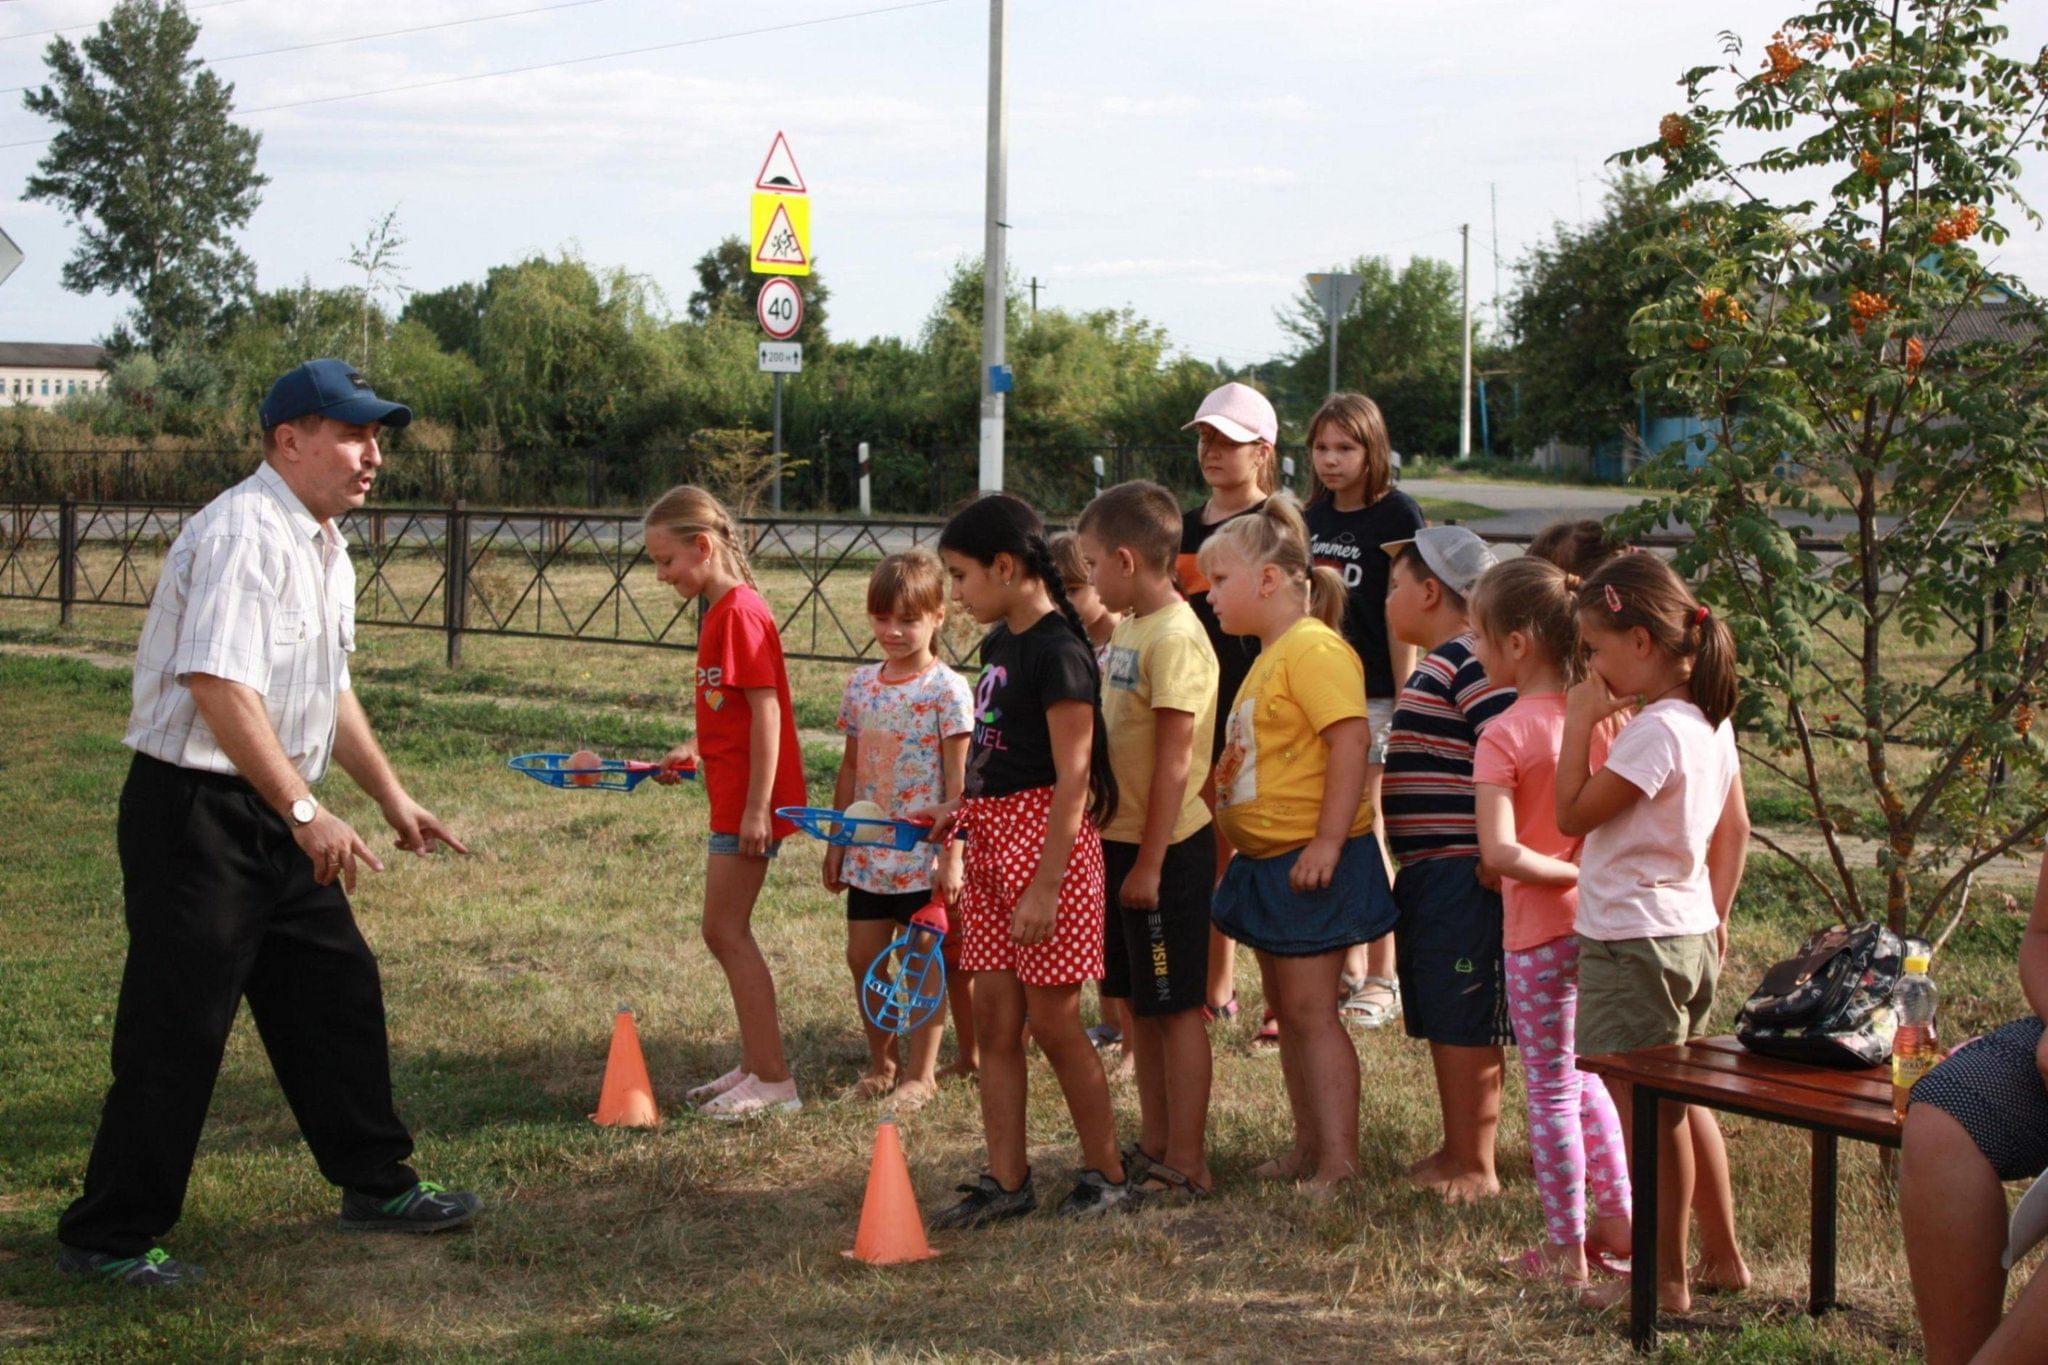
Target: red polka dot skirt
1005 839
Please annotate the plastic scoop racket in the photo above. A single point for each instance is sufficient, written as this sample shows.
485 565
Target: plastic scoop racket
863 831
609 774
907 981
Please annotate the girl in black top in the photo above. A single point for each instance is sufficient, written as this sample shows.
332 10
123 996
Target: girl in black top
1353 510
1029 919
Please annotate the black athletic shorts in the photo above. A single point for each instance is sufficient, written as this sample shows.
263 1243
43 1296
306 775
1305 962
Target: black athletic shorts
879 905
1158 959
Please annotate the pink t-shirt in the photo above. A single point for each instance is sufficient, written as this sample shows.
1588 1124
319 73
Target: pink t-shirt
1518 750
1643 874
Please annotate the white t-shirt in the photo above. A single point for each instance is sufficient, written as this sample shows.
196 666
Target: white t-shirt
1643 874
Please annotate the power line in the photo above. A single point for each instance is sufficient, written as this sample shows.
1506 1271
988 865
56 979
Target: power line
371 37
566 61
73 28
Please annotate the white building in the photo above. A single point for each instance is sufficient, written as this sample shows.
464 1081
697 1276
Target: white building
44 373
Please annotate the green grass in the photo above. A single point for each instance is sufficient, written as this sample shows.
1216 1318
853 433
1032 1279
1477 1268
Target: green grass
704 1242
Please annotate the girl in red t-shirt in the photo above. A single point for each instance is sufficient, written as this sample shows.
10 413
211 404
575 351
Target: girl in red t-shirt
746 744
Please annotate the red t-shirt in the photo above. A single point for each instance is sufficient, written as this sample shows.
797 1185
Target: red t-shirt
739 648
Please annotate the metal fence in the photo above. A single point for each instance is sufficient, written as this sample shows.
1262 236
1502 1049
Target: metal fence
546 574
465 571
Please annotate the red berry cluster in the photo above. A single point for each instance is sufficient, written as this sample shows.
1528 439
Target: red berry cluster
1780 62
1916 352
1717 305
1863 306
1673 131
1958 226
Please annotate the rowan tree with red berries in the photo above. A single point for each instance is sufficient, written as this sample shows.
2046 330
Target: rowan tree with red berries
1865 374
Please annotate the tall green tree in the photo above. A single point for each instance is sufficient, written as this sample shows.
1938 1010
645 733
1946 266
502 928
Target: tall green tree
1399 342
148 161
727 288
1575 297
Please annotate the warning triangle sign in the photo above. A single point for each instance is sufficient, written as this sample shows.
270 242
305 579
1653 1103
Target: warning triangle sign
780 245
779 173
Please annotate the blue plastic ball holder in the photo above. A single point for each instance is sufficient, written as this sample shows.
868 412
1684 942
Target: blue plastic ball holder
906 982
837 827
610 774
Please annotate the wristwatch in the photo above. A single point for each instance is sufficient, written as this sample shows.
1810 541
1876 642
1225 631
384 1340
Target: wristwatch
304 809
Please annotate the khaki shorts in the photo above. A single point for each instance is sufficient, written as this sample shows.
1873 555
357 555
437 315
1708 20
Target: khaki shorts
1644 992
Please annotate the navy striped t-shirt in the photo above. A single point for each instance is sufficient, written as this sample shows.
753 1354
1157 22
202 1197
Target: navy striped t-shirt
1426 794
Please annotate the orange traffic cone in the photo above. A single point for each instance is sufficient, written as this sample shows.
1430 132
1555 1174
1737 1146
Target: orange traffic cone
891 1231
627 1100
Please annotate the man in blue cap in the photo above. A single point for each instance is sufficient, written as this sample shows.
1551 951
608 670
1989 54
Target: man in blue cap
235 876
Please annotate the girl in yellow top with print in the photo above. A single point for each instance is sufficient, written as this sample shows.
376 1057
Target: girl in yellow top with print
1307 882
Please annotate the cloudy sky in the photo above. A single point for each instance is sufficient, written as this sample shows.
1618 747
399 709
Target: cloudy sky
1186 158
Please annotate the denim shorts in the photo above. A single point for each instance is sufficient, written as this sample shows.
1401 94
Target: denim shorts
1255 905
730 843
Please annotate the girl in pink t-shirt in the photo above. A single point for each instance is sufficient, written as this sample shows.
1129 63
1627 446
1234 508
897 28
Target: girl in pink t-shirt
1528 639
1667 833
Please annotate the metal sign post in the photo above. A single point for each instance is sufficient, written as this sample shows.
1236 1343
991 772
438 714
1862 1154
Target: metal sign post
779 237
1336 293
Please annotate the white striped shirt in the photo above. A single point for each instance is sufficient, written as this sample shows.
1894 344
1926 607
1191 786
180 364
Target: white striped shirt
256 591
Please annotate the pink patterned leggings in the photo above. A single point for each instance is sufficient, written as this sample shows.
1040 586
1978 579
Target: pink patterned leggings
1574 1132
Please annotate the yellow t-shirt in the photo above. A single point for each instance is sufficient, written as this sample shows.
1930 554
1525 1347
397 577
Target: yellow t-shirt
1269 781
1161 661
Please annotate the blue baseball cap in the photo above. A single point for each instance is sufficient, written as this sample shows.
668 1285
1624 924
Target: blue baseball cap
329 388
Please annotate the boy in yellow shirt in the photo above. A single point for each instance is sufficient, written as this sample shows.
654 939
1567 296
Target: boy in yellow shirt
1158 695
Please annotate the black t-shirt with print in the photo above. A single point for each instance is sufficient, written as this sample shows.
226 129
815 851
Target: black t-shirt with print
1234 653
1350 542
1022 675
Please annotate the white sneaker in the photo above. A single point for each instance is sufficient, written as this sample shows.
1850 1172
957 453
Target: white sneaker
711 1090
752 1098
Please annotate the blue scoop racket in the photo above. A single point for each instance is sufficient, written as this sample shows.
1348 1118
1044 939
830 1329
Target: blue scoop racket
857 831
608 774
906 983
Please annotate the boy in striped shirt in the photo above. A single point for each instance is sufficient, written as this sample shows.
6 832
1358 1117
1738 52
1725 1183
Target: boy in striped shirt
1448 937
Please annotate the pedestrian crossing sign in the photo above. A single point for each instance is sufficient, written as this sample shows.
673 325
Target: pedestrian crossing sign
781 235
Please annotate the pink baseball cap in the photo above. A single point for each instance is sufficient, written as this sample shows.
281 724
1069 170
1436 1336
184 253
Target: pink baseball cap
1240 412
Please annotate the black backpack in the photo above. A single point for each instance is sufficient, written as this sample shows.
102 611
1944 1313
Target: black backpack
1830 1005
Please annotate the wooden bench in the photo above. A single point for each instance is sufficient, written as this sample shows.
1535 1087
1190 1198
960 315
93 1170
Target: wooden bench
1722 1074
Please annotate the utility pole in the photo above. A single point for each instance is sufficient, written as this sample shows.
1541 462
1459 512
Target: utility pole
993 300
1035 287
1493 192
1465 366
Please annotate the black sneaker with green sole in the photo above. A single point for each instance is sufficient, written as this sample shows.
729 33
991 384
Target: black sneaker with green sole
986 1202
426 1207
154 1269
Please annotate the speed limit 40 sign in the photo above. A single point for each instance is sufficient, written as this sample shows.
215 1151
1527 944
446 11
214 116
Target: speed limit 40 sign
780 307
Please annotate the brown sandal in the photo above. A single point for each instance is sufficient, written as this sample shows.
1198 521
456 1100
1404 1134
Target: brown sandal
1162 1184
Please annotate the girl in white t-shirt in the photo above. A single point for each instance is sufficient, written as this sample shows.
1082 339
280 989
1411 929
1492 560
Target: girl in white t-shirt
1666 834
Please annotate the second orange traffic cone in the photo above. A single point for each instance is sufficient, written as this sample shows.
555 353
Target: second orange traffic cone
891 1231
627 1100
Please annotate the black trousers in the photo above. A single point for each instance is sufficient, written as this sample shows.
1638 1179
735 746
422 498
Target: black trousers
221 904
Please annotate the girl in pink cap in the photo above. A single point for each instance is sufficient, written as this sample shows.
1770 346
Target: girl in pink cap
1238 432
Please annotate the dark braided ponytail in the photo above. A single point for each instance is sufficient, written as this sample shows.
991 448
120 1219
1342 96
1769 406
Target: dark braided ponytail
1040 564
1002 523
